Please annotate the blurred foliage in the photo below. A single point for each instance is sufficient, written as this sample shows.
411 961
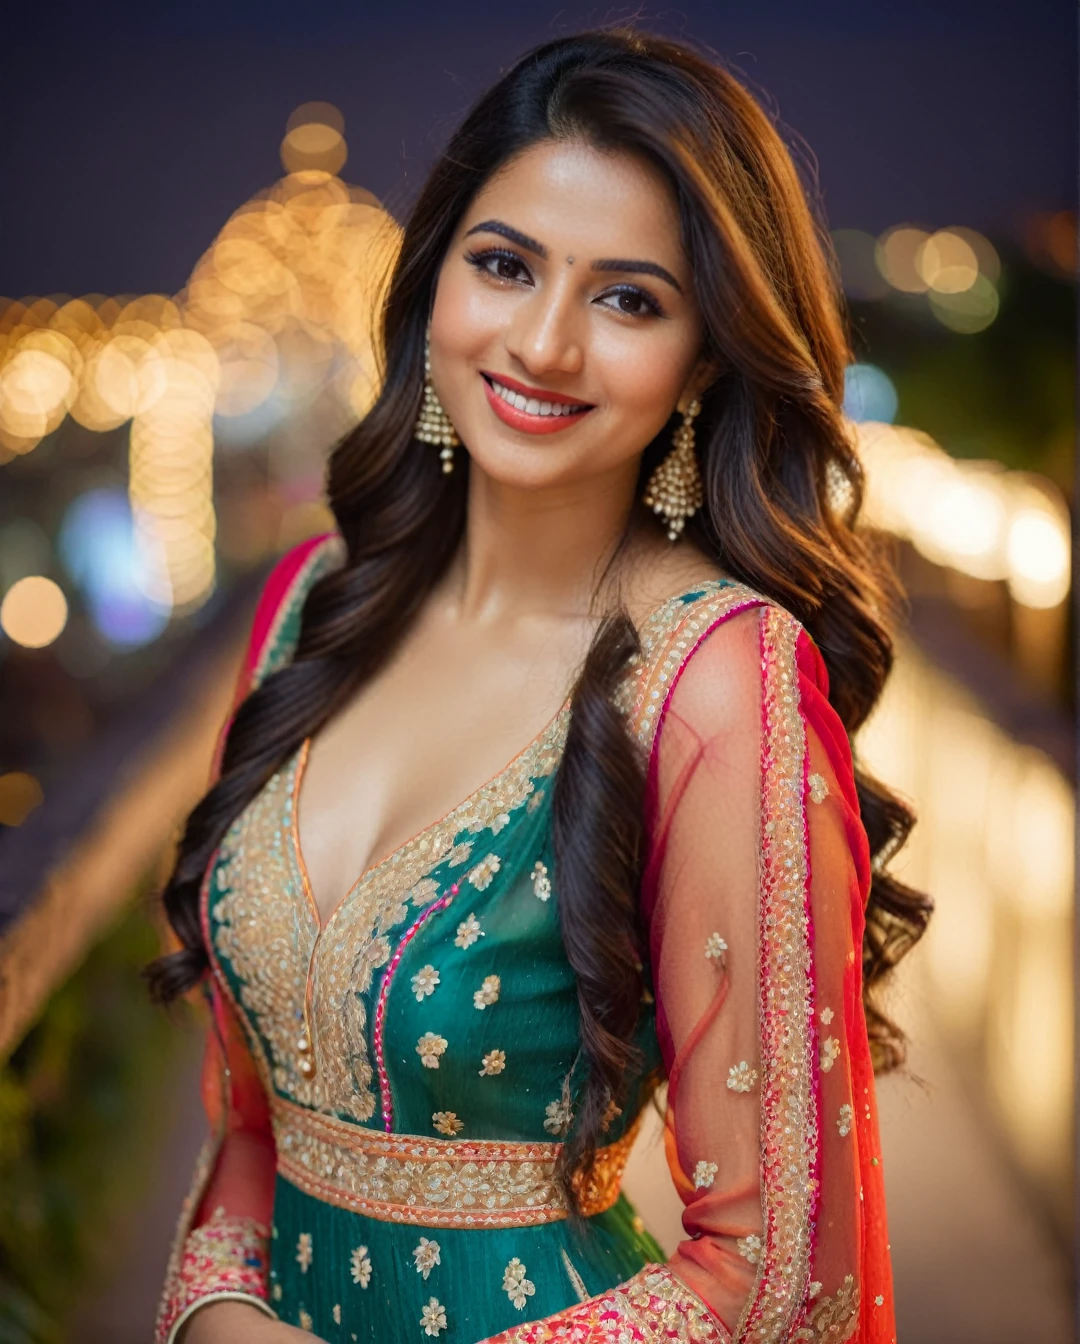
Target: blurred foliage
1007 392
82 1101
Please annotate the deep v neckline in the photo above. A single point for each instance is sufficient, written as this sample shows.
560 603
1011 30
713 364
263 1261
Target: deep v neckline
367 873
646 632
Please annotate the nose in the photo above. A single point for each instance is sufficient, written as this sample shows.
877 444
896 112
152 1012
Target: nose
547 333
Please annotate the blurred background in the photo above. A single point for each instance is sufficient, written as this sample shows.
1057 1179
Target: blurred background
199 205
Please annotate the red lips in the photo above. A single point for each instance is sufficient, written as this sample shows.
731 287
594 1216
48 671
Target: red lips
532 424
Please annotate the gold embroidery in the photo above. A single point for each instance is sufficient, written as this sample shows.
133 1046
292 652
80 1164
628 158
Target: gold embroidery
557 1117
426 1256
843 1121
833 1319
224 1256
337 1313
651 1307
427 888
540 880
576 1281
264 925
446 1122
515 1285
494 1062
488 992
360 1264
826 1015
429 1047
304 1251
749 1248
704 1175
433 1317
468 931
819 790
484 871
424 982
306 1323
741 1077
434 1182
715 947
830 1051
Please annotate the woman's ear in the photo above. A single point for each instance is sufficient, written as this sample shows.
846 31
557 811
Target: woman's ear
705 373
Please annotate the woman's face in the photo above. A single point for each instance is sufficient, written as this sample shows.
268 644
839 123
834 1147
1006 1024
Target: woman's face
565 328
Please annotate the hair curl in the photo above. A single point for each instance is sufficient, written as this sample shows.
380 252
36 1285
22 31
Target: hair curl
782 485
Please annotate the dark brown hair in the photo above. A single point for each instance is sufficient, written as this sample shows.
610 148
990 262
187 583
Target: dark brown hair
782 492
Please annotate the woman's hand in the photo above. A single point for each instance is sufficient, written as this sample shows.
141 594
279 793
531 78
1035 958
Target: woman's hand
238 1323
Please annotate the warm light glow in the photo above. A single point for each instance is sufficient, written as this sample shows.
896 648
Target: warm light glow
897 258
1038 552
34 612
19 795
947 262
967 311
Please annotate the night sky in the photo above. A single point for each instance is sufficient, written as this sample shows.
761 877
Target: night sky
129 133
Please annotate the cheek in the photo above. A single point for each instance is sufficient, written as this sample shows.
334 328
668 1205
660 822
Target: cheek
464 318
643 370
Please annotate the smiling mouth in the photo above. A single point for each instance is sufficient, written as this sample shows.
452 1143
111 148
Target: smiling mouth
545 406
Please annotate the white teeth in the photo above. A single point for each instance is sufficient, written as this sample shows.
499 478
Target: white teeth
531 405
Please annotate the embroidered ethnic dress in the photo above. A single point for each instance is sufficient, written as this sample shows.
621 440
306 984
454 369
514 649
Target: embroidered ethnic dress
388 1090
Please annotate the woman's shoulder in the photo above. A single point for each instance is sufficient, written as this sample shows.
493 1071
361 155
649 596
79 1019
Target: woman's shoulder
276 625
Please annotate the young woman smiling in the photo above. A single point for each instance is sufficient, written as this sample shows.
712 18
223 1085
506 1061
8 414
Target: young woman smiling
571 690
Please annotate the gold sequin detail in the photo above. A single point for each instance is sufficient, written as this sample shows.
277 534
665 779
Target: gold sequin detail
704 1174
541 881
834 1318
494 1062
515 1285
360 1265
433 1317
304 1252
830 1052
468 932
488 993
433 1182
424 982
741 1077
844 1119
429 1047
557 1117
819 790
481 876
426 1256
446 1122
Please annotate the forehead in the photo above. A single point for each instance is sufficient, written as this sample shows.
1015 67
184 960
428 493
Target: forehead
587 202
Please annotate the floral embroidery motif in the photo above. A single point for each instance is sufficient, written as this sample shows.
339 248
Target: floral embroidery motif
814 1289
424 892
485 870
535 801
715 947
426 1256
468 931
497 823
826 1015
819 790
336 1313
749 1248
494 1062
830 1052
558 1116
360 1264
516 1286
424 982
460 853
704 1175
275 1292
843 1122
304 1251
222 1255
741 1077
653 1307
833 1318
446 1122
879 1301
488 993
305 1321
433 1318
540 880
429 1047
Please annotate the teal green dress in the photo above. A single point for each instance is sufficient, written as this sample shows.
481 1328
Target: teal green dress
418 1058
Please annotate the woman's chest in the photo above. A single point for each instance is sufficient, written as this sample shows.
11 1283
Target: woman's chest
437 998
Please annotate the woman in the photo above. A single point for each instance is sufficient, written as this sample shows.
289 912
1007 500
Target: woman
605 499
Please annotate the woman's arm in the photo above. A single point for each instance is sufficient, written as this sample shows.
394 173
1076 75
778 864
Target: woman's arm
753 899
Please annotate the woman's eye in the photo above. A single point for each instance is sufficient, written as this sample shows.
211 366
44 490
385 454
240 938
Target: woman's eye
632 301
498 264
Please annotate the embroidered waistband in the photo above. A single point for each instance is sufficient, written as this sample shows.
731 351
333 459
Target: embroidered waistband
407 1178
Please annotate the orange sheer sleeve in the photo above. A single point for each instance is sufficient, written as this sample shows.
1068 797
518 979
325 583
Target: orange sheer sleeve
753 898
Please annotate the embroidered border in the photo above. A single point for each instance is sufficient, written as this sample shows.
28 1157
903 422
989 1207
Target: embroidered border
651 1307
407 1178
273 654
789 1118
225 1258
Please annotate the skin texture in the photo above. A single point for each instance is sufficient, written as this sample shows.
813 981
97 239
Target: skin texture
495 651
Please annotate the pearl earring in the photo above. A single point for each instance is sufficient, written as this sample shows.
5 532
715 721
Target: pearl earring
433 424
674 491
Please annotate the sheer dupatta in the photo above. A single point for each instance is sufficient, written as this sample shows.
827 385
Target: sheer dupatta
753 898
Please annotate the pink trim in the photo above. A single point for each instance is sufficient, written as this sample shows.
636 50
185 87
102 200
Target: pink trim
385 1096
815 1054
274 593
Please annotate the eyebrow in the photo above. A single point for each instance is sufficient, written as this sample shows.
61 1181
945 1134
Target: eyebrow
619 264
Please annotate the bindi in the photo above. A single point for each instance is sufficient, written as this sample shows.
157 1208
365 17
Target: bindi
569 261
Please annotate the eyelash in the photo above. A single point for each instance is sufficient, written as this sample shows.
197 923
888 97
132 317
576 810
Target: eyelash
479 261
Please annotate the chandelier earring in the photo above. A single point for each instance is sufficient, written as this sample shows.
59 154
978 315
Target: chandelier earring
433 424
674 491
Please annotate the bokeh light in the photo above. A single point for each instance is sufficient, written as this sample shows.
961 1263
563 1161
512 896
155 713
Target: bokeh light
34 612
869 394
897 256
20 793
969 310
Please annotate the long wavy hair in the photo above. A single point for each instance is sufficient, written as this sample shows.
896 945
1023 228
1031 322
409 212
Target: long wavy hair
782 487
